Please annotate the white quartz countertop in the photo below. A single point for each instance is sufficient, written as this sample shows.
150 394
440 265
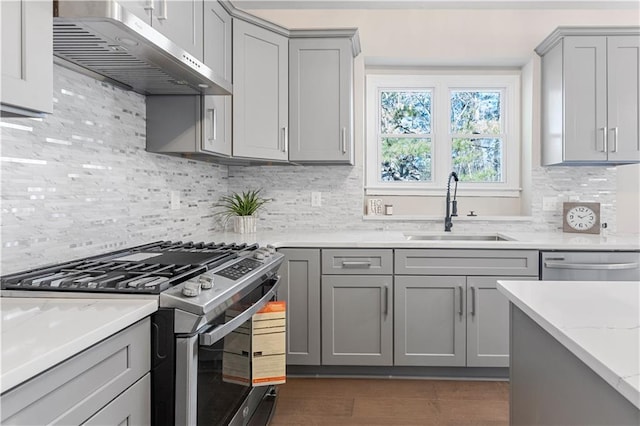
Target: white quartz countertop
398 239
39 333
598 321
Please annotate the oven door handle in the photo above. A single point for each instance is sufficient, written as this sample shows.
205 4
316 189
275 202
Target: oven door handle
210 337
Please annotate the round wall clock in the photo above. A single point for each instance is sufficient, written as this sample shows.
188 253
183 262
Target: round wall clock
581 217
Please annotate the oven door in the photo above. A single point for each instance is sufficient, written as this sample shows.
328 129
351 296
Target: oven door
210 387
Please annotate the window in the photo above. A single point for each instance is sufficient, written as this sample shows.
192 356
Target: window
422 127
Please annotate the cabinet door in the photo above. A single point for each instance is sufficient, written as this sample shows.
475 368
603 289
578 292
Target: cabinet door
27 62
357 315
429 327
216 135
623 74
143 9
260 92
585 98
300 288
217 39
320 99
132 407
181 21
488 322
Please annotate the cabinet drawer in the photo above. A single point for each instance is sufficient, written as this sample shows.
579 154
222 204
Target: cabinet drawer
466 262
357 262
74 390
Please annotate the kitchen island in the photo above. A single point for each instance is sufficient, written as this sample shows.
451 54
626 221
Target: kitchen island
575 351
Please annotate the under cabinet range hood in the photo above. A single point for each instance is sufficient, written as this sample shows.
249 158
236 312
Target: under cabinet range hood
107 39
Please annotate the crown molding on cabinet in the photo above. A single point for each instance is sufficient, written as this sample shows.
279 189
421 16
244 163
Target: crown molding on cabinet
561 32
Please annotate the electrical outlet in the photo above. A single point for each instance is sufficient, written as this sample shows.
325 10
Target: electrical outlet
175 200
549 204
316 199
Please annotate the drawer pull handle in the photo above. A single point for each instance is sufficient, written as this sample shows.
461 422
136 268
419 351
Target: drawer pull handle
356 265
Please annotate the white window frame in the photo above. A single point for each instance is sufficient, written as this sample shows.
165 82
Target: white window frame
440 85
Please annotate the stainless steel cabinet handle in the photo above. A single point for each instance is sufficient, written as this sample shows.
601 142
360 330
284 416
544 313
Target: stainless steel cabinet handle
615 139
473 300
343 138
461 301
210 337
286 140
164 15
385 309
605 144
356 265
213 117
591 266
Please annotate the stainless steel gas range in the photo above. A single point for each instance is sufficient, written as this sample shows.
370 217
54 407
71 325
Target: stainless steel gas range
196 284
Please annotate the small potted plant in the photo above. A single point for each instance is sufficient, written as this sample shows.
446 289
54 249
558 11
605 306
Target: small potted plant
241 208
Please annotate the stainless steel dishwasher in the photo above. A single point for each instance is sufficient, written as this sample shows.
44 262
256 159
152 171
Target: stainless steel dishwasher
589 266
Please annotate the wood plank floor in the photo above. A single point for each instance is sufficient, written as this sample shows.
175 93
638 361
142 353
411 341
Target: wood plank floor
319 401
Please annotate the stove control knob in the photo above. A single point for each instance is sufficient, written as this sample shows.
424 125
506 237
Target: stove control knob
265 251
191 289
272 249
206 281
258 255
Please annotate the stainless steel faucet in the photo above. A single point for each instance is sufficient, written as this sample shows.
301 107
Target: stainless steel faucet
452 206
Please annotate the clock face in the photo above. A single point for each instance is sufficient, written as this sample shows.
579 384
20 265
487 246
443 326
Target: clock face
581 218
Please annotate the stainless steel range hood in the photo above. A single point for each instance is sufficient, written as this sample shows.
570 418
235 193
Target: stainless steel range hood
105 38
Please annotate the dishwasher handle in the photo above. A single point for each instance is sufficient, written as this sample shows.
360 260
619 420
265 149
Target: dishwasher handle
591 266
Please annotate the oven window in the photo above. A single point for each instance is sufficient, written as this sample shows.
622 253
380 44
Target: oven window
224 367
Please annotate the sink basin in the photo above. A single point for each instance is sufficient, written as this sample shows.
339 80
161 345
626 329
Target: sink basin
457 237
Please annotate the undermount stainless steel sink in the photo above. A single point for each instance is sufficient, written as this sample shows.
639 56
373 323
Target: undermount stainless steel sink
457 237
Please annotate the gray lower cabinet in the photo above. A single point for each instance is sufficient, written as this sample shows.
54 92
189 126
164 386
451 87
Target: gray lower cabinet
487 317
321 100
260 92
300 288
78 389
26 57
131 407
357 320
448 310
429 326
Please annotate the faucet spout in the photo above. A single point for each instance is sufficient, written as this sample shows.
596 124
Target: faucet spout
448 224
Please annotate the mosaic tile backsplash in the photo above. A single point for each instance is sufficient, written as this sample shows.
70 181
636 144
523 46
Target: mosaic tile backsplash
80 182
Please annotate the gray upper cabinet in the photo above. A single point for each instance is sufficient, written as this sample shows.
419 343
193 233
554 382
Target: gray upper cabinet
193 126
429 324
300 288
27 61
260 92
181 21
321 97
590 97
217 39
357 320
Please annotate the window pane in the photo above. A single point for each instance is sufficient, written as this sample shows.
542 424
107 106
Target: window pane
407 112
475 112
477 160
406 159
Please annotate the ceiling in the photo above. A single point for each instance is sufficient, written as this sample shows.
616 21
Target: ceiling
438 4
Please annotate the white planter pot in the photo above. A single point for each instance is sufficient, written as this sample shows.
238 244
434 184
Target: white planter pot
244 224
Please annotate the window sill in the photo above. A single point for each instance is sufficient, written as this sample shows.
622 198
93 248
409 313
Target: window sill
415 218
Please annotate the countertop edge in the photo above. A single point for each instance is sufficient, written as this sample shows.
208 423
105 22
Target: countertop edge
36 366
612 378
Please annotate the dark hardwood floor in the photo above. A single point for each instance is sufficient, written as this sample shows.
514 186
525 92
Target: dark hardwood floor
315 401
